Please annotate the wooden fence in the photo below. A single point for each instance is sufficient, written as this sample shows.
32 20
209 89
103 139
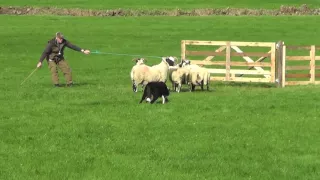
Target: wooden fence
258 70
283 69
294 67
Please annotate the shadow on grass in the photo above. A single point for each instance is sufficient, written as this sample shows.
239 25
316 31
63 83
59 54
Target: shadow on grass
63 85
244 84
78 84
92 103
217 85
196 90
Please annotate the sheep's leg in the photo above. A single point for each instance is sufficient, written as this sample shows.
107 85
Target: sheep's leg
201 85
134 87
187 79
176 85
208 82
179 87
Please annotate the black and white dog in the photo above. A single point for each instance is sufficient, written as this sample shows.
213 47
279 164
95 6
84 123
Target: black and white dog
153 91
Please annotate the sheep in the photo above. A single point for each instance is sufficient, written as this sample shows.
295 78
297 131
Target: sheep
198 75
179 76
143 74
163 67
139 61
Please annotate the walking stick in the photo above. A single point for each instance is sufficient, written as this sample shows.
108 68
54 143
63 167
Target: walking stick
29 76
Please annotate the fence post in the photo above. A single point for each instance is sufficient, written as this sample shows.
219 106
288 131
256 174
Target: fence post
273 63
279 61
228 60
183 50
312 64
284 54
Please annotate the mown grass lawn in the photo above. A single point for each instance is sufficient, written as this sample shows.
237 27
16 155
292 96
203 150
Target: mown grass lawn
97 129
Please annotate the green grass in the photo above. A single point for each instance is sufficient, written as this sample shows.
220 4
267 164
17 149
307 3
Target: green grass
97 129
110 4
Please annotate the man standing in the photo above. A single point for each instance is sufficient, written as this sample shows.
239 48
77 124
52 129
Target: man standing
54 56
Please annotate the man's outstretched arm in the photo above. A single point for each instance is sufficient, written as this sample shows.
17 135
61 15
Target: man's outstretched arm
76 48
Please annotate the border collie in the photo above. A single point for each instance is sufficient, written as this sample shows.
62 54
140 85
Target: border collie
153 91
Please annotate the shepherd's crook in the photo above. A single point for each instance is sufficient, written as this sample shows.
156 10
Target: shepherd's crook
29 76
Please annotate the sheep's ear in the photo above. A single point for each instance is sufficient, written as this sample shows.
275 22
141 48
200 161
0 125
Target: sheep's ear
135 59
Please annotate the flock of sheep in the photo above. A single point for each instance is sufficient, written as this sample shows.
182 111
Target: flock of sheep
182 73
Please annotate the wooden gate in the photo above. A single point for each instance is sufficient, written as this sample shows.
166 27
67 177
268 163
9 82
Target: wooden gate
227 61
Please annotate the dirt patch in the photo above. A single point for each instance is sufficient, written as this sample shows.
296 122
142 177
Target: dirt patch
283 10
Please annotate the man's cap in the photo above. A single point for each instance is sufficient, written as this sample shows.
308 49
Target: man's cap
59 35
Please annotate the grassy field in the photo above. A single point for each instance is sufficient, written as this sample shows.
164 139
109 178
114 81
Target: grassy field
97 129
110 4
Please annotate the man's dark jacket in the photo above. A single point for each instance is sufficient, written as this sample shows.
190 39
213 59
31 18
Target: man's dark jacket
54 50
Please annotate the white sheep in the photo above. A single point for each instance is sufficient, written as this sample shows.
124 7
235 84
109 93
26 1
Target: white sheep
163 67
179 76
143 74
139 61
198 75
